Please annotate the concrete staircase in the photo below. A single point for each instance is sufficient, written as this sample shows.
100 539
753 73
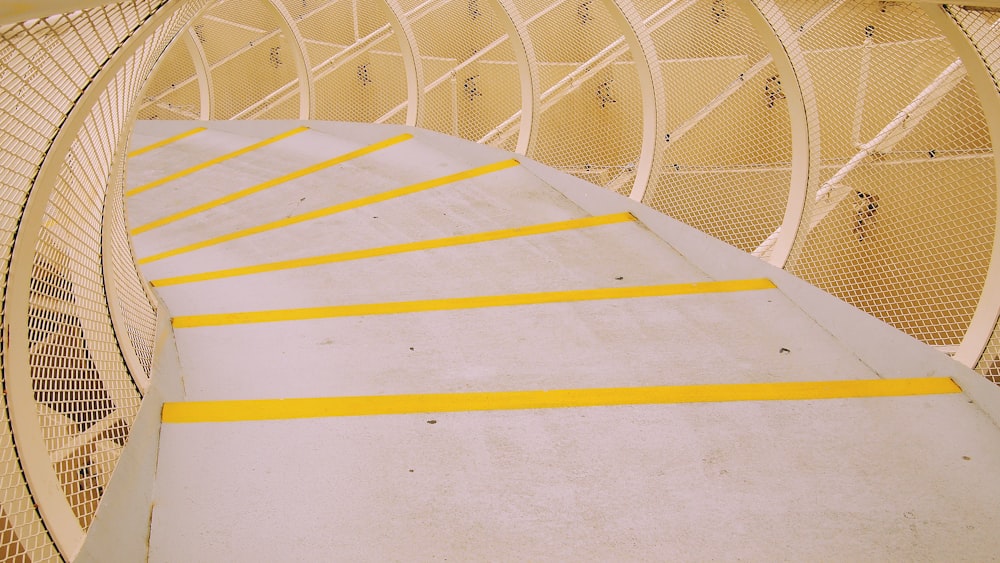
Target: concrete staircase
397 345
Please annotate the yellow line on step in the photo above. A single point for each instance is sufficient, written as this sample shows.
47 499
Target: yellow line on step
399 249
511 300
283 409
368 200
271 183
214 161
165 142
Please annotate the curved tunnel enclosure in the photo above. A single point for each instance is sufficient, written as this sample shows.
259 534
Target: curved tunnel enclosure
845 141
848 142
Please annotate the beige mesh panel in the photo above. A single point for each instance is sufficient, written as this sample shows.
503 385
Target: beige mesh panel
904 229
471 75
727 151
86 397
357 62
249 58
590 108
45 65
173 91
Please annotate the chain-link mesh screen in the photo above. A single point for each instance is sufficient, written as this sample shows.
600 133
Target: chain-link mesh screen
244 40
87 399
471 77
904 224
30 121
590 108
727 151
46 64
358 71
173 91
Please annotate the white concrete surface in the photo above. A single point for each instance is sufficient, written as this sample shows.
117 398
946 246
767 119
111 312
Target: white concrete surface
904 478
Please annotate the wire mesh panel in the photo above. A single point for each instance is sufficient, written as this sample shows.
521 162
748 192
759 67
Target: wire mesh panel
46 63
471 75
86 397
360 75
590 108
30 123
249 58
902 224
357 61
981 28
727 153
173 91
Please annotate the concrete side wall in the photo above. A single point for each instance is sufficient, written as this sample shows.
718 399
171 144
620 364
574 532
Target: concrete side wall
120 530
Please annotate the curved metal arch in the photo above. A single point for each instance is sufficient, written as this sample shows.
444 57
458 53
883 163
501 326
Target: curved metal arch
984 320
781 41
206 89
527 69
307 100
411 56
654 124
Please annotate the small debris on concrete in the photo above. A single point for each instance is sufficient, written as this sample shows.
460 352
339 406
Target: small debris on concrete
432 422
784 351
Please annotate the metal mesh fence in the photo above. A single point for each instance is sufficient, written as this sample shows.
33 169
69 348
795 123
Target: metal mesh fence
726 157
87 399
358 71
981 27
173 91
902 224
46 63
470 75
590 108
244 40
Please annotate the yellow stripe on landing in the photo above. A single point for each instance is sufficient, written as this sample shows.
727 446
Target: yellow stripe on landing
399 192
271 183
165 142
283 409
399 249
214 161
399 307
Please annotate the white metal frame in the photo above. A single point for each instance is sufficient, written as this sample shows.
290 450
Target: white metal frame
977 336
782 41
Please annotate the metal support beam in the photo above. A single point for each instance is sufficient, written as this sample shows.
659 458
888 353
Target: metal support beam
206 91
833 191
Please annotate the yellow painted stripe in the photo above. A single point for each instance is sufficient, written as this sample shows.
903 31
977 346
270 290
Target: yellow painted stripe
165 142
511 300
271 183
214 161
283 409
368 200
399 249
